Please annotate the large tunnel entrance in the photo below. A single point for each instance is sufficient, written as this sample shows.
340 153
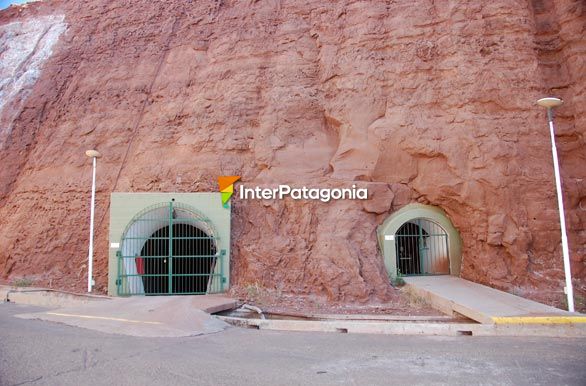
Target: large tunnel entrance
169 249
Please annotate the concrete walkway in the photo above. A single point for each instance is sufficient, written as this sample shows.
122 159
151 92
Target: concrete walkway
484 304
148 316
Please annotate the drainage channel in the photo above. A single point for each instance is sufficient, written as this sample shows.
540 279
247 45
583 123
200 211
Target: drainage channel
253 318
251 312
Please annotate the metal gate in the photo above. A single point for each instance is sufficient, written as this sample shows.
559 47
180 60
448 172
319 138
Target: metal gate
169 249
422 249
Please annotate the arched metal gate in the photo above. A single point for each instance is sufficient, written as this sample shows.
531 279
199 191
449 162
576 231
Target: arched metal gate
170 249
422 248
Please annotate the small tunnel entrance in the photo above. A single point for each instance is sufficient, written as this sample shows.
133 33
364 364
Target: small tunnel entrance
422 248
420 240
187 256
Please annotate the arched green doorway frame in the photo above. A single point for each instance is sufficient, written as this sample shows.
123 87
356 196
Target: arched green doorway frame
125 207
387 230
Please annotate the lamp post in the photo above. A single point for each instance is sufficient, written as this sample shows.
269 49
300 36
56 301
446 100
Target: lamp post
94 155
550 104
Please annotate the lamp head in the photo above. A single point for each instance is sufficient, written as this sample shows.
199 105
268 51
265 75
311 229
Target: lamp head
93 153
550 102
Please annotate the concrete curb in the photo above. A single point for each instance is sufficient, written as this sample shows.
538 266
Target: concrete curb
412 328
44 297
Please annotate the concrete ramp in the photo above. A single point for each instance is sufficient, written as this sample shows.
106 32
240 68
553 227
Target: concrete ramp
484 304
147 316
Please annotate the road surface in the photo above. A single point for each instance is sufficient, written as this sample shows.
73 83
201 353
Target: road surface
34 352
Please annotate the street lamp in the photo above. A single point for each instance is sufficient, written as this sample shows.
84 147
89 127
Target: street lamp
94 155
550 104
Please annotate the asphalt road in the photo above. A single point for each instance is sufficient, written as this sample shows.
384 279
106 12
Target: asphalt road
45 353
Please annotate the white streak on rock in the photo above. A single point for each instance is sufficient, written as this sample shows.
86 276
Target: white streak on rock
24 47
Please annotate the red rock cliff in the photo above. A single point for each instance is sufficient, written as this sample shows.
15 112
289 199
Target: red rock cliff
422 101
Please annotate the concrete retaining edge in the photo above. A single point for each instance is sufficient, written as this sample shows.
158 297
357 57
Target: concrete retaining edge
44 297
533 327
406 328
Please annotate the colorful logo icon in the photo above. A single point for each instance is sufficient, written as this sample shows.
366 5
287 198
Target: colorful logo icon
227 188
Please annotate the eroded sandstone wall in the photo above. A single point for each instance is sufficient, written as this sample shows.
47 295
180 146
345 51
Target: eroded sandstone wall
420 101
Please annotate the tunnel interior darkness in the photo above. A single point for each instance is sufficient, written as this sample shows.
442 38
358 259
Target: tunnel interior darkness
189 260
408 249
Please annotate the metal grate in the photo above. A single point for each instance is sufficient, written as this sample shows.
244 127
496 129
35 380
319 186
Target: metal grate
169 249
422 248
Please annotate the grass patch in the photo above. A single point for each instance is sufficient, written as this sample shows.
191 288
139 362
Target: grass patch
23 282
